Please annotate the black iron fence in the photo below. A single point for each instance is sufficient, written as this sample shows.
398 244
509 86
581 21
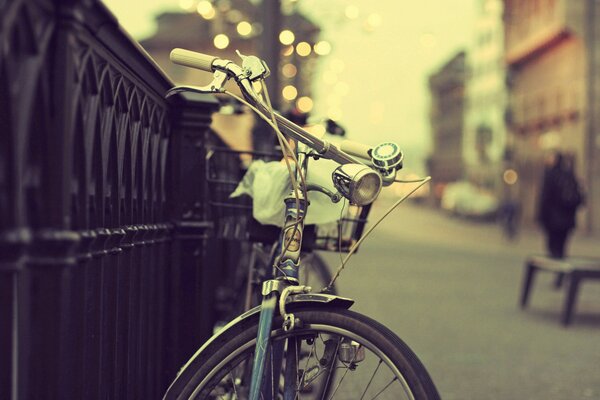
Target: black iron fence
104 287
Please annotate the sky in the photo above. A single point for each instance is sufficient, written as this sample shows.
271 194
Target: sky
374 80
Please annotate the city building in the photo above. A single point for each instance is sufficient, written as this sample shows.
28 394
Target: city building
447 87
551 52
484 128
223 27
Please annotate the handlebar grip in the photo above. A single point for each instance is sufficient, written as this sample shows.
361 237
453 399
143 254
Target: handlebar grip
356 149
192 59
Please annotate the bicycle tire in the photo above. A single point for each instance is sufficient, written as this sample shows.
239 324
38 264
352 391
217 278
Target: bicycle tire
207 376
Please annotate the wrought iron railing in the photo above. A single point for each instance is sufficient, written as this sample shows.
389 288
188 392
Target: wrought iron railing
103 282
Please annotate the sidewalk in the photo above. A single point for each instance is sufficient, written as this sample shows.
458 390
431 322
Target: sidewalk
450 287
487 234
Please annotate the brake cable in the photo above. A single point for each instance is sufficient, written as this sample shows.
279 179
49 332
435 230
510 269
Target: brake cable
364 236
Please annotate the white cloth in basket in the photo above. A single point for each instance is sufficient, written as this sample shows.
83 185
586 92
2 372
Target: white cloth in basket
268 183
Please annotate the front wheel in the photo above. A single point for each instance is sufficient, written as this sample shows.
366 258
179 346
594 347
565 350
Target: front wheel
340 355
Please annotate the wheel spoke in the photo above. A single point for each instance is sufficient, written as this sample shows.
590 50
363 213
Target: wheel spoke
371 380
385 388
301 382
233 383
329 367
297 343
327 361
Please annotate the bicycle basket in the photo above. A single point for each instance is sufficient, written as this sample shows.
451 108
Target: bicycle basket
233 219
340 236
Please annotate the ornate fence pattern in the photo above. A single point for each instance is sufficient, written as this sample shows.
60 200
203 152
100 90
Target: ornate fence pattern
103 279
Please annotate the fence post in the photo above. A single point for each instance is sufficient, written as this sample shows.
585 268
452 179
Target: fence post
191 284
102 275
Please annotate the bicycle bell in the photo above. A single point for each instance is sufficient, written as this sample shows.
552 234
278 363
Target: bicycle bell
387 158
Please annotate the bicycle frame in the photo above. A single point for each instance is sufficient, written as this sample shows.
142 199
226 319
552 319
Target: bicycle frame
360 183
290 244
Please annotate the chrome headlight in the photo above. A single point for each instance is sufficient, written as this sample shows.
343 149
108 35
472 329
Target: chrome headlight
358 183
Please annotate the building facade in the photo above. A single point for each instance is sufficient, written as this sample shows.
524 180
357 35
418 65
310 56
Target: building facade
224 27
236 25
550 52
485 132
447 87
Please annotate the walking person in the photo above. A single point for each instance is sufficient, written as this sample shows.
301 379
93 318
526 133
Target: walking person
560 198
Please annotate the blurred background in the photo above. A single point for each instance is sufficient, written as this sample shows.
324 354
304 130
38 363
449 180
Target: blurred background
114 260
475 91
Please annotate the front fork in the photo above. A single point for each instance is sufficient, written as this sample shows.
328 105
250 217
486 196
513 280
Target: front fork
275 292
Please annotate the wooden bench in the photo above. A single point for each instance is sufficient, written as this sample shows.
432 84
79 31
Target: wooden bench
574 269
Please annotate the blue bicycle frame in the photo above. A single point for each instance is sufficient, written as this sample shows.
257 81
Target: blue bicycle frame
290 244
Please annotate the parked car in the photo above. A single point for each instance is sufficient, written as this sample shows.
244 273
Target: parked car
465 199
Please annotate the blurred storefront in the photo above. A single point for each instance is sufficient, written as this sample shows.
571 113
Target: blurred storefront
551 50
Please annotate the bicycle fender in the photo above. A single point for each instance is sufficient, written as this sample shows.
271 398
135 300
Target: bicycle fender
295 302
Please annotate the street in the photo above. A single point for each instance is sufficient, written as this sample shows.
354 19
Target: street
449 288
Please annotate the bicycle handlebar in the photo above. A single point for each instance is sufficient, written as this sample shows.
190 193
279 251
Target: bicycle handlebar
356 149
192 59
325 149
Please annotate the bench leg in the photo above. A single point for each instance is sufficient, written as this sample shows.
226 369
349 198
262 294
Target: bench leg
530 271
571 299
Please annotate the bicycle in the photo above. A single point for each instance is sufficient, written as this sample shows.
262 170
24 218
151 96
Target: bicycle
233 221
298 343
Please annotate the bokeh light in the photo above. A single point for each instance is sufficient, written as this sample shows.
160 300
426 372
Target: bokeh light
303 49
510 176
287 37
187 5
206 10
289 70
244 28
257 86
317 130
289 92
221 41
351 12
322 48
375 20
304 104
287 51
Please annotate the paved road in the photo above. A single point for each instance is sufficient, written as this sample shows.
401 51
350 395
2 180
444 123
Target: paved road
449 288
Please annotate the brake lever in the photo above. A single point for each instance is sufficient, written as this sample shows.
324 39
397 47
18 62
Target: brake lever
220 78
254 68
